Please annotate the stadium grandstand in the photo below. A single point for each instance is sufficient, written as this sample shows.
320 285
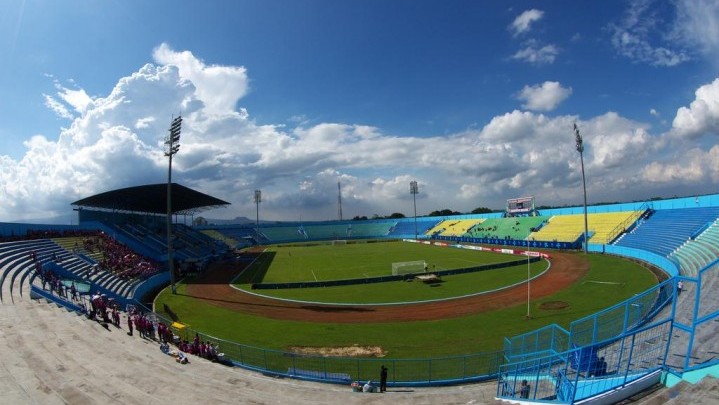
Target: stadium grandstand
663 337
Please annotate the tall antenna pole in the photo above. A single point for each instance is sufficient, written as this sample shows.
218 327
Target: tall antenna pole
339 200
173 145
580 149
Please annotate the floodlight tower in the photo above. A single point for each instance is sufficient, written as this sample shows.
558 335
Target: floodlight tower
580 149
172 143
258 200
414 189
339 200
529 280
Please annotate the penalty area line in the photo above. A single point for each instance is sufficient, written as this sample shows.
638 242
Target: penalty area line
313 275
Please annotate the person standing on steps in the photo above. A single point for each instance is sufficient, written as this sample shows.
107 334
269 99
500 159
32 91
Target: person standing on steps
383 379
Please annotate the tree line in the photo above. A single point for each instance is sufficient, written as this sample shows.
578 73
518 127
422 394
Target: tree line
438 213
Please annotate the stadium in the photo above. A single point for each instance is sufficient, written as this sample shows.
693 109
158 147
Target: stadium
654 343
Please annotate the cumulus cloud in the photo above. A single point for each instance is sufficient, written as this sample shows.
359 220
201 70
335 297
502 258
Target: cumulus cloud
523 22
218 87
116 140
702 115
696 167
544 97
537 55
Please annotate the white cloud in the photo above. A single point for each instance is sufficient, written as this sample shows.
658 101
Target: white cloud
702 115
544 97
57 107
116 141
218 87
695 167
640 36
78 99
523 22
536 55
697 26
144 122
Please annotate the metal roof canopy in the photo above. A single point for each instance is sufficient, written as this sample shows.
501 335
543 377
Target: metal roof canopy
152 198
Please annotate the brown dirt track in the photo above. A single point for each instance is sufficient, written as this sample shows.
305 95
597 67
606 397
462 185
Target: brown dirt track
213 287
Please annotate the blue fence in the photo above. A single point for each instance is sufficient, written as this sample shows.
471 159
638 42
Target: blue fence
342 370
606 324
587 371
551 339
668 266
623 317
617 346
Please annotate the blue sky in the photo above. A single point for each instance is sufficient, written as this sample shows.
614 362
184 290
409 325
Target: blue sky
473 99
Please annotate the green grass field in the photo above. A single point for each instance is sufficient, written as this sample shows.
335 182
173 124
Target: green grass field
609 281
295 264
336 262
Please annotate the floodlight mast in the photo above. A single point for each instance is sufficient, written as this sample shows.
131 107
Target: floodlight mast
529 279
258 200
580 149
172 143
414 189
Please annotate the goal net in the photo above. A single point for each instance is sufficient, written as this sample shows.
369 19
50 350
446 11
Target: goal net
413 267
339 242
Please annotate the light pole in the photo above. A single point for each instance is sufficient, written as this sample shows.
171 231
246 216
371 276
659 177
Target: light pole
529 278
172 142
258 200
414 189
580 149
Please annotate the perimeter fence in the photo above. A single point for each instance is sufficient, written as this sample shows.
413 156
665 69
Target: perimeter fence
584 372
339 370
345 370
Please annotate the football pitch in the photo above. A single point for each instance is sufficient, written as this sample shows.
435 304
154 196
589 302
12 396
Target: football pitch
366 260
282 264
609 280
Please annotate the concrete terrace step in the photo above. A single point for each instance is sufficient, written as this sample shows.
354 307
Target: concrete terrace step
52 356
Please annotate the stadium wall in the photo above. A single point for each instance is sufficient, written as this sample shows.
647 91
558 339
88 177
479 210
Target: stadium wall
150 285
13 229
654 259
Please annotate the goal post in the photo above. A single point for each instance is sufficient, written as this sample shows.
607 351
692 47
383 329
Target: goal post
412 267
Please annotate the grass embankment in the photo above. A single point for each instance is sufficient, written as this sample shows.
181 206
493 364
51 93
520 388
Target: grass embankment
610 280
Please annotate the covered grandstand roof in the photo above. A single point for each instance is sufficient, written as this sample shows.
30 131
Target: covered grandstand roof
152 198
